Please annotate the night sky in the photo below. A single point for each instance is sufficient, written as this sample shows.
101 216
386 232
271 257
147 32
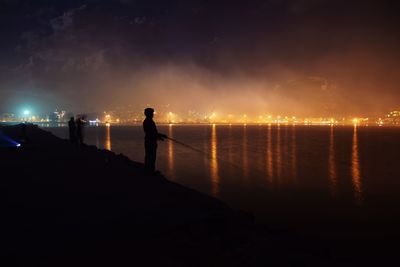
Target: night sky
306 57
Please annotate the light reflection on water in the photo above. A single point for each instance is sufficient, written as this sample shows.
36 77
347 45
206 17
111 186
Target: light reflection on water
355 168
270 162
230 144
107 144
245 157
294 154
171 171
214 162
308 167
332 163
278 154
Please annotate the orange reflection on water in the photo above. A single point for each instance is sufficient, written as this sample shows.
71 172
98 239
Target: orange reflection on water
230 142
270 161
278 152
171 173
245 152
214 162
108 138
260 148
294 155
332 163
355 168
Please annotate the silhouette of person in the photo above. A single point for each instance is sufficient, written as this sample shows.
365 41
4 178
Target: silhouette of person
150 140
80 123
72 130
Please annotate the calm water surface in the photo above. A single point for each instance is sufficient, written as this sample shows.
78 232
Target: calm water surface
333 180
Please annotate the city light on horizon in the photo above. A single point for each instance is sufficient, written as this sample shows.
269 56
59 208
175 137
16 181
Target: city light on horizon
133 116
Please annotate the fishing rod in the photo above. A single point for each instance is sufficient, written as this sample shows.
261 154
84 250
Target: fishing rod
204 153
188 146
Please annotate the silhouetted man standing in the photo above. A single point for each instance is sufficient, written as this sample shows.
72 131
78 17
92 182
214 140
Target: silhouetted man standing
72 130
150 140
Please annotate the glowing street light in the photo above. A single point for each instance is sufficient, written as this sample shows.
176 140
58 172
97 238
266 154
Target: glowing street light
170 117
26 112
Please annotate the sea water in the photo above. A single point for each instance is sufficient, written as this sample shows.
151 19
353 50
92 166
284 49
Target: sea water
315 179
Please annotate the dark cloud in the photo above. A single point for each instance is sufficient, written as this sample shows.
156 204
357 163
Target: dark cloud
303 56
65 20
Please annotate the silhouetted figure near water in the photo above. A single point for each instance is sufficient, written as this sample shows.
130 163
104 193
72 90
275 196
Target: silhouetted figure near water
80 124
150 140
72 130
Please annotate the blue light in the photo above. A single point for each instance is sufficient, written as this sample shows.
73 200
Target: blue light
10 141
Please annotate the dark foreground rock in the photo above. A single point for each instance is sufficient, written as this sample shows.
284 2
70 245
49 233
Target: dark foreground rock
68 206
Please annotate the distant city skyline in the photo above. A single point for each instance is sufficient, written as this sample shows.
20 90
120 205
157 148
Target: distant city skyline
126 117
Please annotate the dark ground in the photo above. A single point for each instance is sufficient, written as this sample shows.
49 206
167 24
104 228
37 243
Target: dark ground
68 206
